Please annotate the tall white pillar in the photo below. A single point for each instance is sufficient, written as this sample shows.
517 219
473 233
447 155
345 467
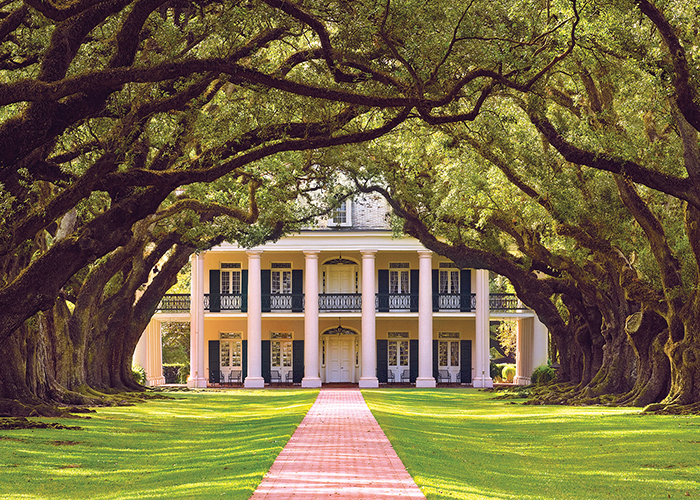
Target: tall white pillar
540 343
311 374
425 320
368 376
254 378
523 352
197 376
482 376
154 368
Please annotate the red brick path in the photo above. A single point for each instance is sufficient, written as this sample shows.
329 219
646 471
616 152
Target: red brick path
338 452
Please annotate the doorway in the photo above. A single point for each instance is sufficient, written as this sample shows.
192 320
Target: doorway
340 366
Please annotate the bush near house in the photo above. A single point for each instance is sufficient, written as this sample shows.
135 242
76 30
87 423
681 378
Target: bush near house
176 373
542 375
508 373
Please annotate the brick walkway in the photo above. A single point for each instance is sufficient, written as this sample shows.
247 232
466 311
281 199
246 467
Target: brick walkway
337 452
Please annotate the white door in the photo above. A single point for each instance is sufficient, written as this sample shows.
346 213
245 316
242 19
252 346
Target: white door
341 365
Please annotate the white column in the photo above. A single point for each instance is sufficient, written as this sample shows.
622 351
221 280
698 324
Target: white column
523 352
254 378
197 376
311 375
141 352
425 320
368 376
154 370
482 376
540 343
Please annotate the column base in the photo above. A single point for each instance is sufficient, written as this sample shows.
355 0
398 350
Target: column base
155 381
369 382
425 382
483 382
311 382
254 383
522 381
196 382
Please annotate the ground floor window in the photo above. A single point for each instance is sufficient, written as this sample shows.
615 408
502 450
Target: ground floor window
448 353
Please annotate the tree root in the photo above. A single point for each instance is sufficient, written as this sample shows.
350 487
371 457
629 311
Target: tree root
23 423
671 409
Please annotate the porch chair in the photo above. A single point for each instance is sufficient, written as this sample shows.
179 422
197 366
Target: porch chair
390 377
234 376
406 376
443 376
222 378
290 377
275 376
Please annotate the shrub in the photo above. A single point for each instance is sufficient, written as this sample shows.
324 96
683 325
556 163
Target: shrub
176 373
139 374
543 375
508 373
495 370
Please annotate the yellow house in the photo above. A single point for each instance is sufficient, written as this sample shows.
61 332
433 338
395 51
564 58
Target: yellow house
344 302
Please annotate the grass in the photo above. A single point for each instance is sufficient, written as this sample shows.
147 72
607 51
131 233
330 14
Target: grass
464 444
206 445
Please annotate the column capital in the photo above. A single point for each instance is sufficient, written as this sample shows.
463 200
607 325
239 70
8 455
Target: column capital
368 253
425 254
312 254
254 253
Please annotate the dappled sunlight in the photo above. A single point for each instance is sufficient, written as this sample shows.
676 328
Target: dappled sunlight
467 445
196 445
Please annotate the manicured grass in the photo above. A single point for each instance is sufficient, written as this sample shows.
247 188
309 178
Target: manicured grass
206 445
464 444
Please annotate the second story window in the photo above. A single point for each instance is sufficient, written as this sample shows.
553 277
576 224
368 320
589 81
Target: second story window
281 278
231 278
449 279
399 278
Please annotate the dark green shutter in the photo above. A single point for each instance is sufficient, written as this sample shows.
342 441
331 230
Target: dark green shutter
435 359
413 359
415 276
265 362
214 290
244 290
465 362
244 361
465 290
436 290
382 360
297 361
297 290
214 362
265 287
383 289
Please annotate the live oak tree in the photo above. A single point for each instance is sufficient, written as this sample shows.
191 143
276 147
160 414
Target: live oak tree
107 107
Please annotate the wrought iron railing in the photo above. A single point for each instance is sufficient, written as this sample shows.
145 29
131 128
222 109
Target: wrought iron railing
504 302
227 302
328 302
175 302
339 302
283 302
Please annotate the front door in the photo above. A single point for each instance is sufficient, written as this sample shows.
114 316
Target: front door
341 366
398 359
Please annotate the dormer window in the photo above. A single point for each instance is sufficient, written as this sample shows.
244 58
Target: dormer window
342 216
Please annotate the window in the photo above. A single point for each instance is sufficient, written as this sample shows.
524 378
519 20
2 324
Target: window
281 355
231 278
448 353
449 281
341 215
230 351
399 278
281 278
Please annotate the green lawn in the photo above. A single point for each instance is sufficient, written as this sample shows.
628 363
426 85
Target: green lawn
463 444
199 446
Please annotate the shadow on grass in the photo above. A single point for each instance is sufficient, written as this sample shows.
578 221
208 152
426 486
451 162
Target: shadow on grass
199 446
459 443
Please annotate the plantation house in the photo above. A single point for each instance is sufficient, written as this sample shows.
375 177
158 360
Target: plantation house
344 302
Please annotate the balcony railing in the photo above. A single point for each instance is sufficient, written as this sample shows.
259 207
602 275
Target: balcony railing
227 302
175 303
346 302
328 302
